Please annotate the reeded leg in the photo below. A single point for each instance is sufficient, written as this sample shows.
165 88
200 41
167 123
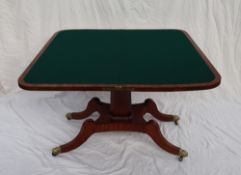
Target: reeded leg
92 107
153 110
153 130
86 131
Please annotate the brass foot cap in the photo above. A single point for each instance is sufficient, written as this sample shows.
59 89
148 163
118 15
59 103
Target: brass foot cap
182 153
68 116
176 119
56 151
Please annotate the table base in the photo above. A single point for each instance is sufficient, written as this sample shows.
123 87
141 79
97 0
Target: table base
121 115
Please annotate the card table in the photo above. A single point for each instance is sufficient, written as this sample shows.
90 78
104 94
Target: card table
120 61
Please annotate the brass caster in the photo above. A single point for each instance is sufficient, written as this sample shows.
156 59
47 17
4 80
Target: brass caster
56 151
68 116
176 119
182 154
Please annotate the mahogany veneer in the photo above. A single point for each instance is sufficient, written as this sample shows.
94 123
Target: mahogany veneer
121 115
123 61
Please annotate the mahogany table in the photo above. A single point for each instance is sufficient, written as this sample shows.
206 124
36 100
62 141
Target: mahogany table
120 61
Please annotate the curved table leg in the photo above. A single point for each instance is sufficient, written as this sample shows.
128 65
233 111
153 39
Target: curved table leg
153 110
92 107
86 131
153 130
134 121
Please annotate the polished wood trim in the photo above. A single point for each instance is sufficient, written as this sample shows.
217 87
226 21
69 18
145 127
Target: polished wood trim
21 81
126 87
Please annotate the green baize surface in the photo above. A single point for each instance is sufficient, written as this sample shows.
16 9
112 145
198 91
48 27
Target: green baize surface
142 57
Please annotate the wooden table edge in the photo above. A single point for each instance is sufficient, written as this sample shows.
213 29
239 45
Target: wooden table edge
110 87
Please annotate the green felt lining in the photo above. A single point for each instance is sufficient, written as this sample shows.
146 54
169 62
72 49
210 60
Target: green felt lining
157 57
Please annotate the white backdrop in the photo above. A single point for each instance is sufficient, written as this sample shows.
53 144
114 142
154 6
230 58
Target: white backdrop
31 123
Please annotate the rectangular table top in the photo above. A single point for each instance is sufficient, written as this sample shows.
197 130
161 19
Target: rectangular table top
136 60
